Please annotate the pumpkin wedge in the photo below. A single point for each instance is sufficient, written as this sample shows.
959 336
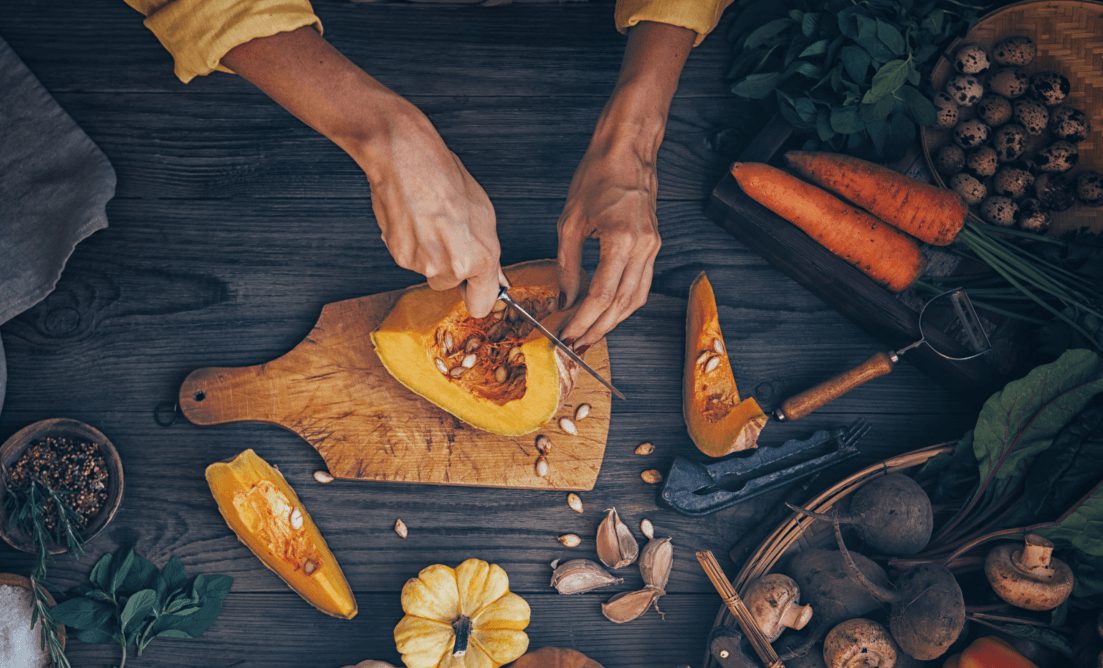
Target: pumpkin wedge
718 421
495 373
266 514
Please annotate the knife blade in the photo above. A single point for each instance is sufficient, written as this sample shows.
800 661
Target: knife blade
503 295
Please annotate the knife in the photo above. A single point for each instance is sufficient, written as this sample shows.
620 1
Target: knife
503 295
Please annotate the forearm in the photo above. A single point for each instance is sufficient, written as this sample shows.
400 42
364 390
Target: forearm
637 111
307 76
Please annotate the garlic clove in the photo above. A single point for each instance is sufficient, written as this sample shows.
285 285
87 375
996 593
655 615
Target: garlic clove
616 547
629 605
578 576
656 562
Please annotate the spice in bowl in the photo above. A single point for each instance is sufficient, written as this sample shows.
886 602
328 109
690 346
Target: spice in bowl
71 470
19 639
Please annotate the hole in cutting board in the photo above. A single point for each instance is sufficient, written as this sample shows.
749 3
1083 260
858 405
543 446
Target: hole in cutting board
199 396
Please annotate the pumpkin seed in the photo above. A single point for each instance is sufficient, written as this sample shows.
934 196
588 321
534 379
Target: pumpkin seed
574 502
441 366
629 605
652 476
702 358
566 425
500 374
543 444
570 540
718 346
296 519
616 547
469 360
458 371
647 528
542 466
401 529
578 576
582 412
513 353
644 449
309 567
448 343
323 477
472 344
711 365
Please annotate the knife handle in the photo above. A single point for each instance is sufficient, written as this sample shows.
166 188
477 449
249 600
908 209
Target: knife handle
815 398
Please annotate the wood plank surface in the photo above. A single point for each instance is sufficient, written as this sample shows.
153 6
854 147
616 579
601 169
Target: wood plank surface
234 225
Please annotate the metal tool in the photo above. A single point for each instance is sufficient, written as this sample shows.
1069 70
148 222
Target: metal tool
693 488
503 294
960 334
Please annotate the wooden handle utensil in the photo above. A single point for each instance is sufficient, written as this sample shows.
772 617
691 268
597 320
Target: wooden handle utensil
815 398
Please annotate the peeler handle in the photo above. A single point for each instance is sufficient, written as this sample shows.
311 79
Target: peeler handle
815 398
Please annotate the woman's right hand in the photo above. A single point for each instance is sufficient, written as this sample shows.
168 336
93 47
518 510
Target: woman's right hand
436 219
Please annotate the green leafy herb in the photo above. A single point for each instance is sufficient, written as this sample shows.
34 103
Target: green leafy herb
1078 534
845 73
129 602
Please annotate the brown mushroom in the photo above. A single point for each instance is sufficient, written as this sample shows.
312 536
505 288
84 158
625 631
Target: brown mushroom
1029 577
774 602
859 643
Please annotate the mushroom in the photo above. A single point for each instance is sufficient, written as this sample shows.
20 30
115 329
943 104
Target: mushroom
859 643
773 600
1029 577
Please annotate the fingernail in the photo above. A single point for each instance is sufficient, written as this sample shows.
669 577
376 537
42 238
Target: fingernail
582 350
562 299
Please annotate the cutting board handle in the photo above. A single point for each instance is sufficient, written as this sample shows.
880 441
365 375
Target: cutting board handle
217 395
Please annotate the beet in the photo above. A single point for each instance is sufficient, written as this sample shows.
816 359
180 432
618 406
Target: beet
892 515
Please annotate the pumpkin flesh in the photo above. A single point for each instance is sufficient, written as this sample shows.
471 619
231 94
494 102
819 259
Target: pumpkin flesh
718 420
495 373
257 503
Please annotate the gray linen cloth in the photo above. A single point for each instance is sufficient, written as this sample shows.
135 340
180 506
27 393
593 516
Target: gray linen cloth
54 186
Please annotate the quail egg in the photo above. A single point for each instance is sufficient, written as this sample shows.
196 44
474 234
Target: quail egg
1059 157
1033 216
1069 124
1018 50
1009 142
1055 191
982 161
965 89
1050 87
1010 82
995 110
1012 182
1032 115
971 59
971 189
970 133
1089 188
999 210
946 111
949 160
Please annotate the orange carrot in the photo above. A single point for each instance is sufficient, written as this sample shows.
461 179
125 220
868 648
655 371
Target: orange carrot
885 255
929 213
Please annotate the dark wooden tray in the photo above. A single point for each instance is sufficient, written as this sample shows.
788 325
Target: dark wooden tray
890 317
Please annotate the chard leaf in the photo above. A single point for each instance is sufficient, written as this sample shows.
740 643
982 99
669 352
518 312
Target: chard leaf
1024 418
1078 537
766 32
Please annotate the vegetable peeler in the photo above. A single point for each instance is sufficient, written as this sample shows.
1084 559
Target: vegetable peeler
693 488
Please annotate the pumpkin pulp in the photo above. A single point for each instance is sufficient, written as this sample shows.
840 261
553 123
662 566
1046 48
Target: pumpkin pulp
494 373
718 420
266 515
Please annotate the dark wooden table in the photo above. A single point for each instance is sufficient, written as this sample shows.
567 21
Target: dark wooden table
234 224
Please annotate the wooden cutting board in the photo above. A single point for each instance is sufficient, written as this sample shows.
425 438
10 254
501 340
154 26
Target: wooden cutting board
333 391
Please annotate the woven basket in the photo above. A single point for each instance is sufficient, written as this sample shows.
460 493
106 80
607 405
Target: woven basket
798 528
1069 37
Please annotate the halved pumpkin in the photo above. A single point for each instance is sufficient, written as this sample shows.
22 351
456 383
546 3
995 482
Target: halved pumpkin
718 421
495 373
265 513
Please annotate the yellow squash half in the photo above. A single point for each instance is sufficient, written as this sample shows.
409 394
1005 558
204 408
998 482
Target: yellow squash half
494 373
266 514
718 421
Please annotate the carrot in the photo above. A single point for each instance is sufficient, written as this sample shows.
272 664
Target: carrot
885 255
929 213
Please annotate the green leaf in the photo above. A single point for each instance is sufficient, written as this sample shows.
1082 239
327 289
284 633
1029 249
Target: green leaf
137 608
174 573
845 120
101 572
901 136
141 575
1041 635
817 48
934 21
83 613
888 79
95 636
804 69
823 125
1023 419
890 36
856 62
921 109
879 110
121 570
1079 540
766 32
808 23
757 86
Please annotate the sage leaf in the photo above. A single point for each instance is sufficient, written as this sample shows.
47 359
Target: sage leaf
122 568
808 23
94 636
757 86
766 32
817 48
890 36
82 613
888 79
845 120
142 574
855 61
101 572
140 604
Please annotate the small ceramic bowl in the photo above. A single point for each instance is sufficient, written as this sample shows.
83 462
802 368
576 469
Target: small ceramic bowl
15 446
20 581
